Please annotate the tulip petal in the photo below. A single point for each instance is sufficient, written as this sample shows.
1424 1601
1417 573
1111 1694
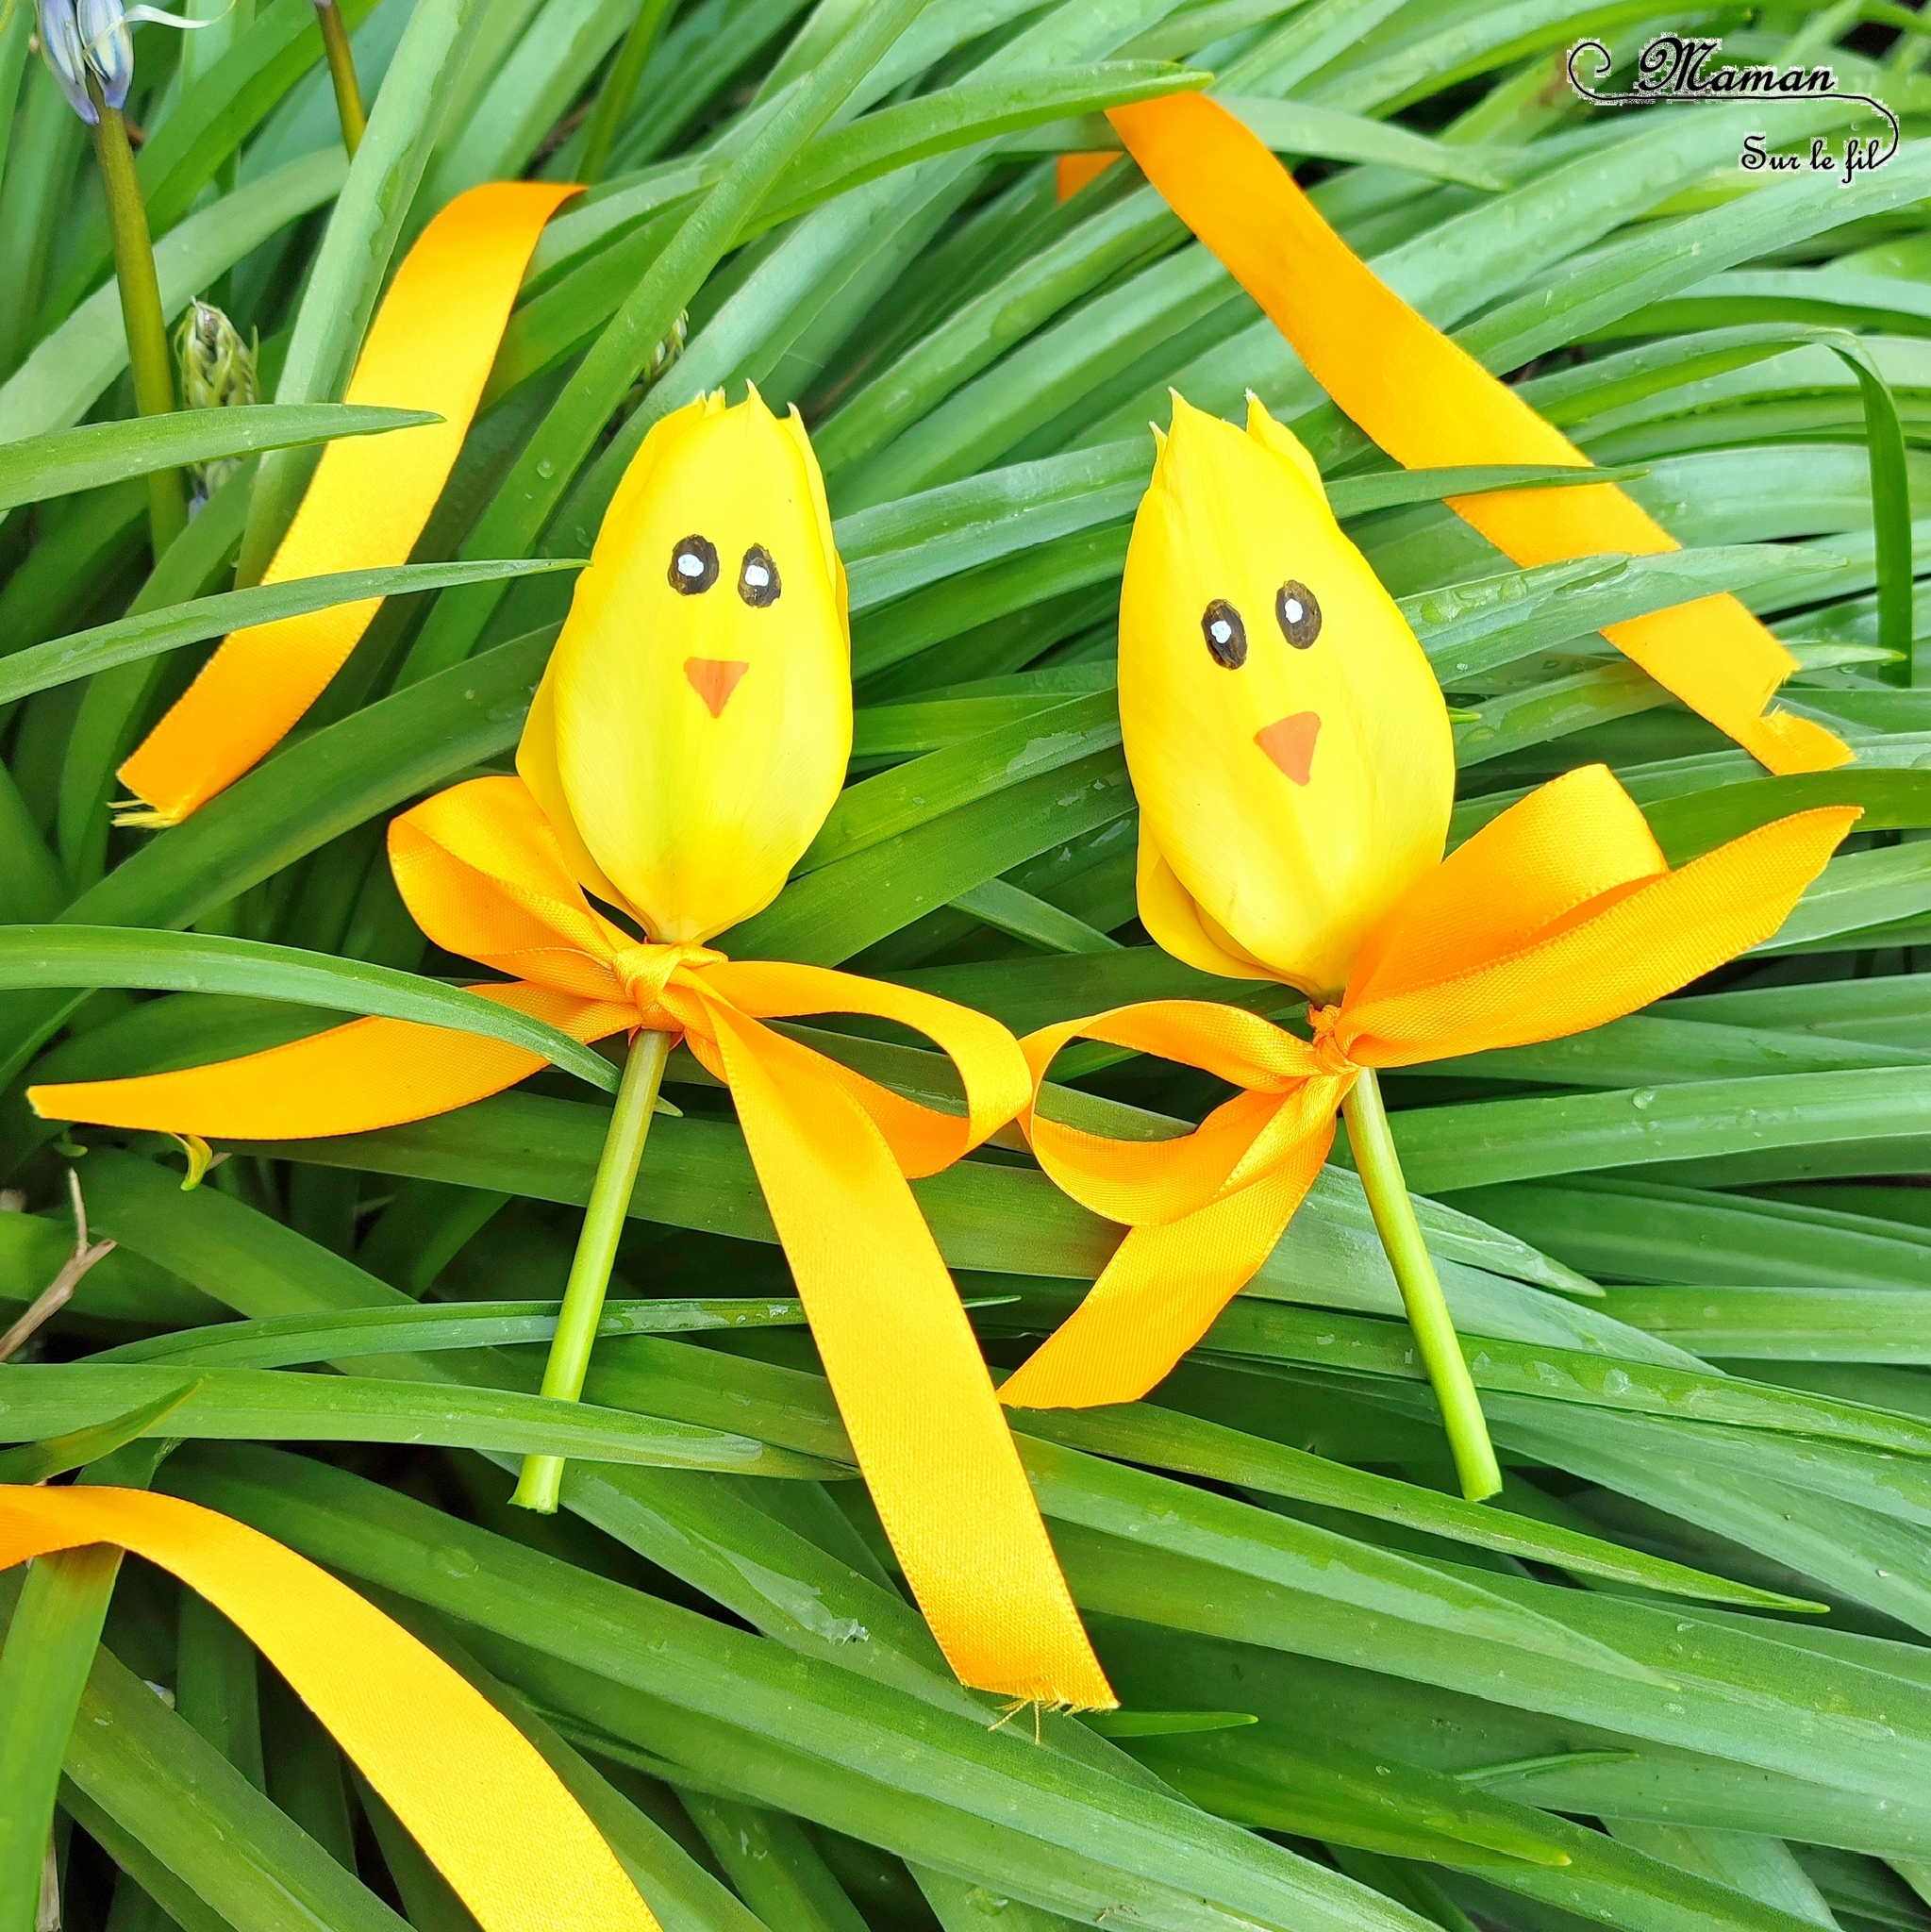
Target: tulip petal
536 765
695 794
1170 914
1287 741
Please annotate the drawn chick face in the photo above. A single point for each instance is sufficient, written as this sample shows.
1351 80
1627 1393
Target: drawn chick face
693 726
1287 741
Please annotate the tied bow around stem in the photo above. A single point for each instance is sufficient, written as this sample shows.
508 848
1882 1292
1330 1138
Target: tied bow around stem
1211 1208
481 869
1559 916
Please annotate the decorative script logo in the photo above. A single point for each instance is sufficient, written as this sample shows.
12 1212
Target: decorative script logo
1674 67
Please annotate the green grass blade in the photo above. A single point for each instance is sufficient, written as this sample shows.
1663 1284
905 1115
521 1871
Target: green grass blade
35 1462
262 1405
50 955
148 634
55 1623
38 467
294 1340
1890 505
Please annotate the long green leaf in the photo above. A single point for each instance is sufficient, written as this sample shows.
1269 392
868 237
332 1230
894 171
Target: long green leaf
348 270
38 467
50 955
258 1404
130 639
291 1340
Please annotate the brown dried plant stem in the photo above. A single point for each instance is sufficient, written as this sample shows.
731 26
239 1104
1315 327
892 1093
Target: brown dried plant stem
58 1292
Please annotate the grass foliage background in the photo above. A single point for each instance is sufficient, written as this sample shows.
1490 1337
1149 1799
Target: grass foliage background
1677 1681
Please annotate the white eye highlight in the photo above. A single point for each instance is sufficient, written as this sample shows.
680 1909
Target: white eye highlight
1225 635
757 579
1298 611
693 565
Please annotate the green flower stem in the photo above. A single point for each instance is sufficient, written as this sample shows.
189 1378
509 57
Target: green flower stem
620 85
596 1250
141 309
1420 1289
342 71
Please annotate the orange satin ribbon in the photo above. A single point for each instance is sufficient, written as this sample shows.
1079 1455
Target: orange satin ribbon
1074 172
1431 404
484 876
1558 916
430 347
445 1760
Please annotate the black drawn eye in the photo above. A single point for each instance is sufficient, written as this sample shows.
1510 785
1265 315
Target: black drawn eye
693 565
1299 613
758 580
1225 635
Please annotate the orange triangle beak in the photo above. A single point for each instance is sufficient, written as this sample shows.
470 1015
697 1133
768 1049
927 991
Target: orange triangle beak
1290 742
714 679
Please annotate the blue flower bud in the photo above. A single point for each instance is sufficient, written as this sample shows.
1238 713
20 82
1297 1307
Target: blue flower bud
110 47
60 42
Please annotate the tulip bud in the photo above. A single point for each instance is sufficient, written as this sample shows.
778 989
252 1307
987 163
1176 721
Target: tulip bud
1287 741
217 372
693 727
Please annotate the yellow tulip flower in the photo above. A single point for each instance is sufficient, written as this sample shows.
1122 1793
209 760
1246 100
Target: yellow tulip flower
1287 741
1295 766
695 721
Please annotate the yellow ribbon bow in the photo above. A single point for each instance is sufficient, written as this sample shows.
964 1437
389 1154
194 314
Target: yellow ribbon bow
448 1763
1559 915
430 347
483 873
1429 403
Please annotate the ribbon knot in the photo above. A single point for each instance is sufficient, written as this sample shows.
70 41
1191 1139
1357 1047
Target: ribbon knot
1330 1056
645 971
